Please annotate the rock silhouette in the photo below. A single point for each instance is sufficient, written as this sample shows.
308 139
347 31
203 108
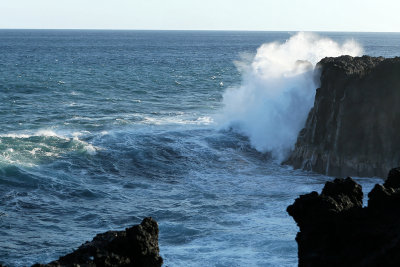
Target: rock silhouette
336 230
136 246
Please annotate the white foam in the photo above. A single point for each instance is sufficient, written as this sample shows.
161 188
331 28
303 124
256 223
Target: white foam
277 90
33 151
47 133
15 135
27 151
42 132
205 120
11 157
177 120
90 149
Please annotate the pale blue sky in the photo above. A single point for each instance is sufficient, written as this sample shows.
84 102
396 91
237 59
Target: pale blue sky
280 15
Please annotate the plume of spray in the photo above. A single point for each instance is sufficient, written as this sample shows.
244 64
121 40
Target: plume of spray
271 105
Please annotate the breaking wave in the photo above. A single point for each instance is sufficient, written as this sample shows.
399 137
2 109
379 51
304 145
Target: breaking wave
277 91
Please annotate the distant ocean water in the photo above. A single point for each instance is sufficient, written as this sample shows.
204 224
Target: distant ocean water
102 128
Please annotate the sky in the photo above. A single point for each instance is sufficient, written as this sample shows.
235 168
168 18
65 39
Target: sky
256 15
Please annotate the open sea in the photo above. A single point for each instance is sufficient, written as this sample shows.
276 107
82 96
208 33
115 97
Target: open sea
99 129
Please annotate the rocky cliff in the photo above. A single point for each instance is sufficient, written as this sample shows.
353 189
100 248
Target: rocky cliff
335 230
353 128
136 246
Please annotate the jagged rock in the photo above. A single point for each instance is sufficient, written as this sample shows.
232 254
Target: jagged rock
335 230
354 124
337 196
393 179
136 246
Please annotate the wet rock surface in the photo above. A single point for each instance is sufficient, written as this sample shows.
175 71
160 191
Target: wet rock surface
353 127
136 246
335 230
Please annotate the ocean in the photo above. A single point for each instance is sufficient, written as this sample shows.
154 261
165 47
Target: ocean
100 129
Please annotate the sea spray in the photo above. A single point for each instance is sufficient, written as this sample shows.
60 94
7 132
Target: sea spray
277 91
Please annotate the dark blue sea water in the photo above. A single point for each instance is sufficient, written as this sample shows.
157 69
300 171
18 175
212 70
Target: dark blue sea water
99 129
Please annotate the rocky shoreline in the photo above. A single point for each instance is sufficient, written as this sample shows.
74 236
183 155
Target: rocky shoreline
136 246
354 124
336 230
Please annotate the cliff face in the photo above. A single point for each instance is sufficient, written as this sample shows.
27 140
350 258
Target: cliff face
335 230
353 128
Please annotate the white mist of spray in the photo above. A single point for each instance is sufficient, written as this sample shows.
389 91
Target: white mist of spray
277 91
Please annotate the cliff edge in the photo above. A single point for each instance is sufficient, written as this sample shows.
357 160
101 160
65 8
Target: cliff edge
353 128
335 230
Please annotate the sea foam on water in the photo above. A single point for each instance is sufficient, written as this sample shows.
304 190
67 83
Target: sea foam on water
278 87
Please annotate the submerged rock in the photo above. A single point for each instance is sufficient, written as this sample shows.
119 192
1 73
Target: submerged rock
354 124
335 230
136 246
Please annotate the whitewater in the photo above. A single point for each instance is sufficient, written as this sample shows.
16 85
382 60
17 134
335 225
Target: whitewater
100 129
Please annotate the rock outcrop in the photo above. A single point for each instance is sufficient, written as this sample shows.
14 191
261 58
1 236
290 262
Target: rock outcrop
136 246
354 124
335 230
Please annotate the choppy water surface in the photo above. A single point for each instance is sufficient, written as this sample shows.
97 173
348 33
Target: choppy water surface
102 128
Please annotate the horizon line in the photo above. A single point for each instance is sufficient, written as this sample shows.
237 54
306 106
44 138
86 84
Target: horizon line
197 30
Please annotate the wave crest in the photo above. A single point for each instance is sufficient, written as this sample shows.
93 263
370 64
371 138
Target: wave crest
277 91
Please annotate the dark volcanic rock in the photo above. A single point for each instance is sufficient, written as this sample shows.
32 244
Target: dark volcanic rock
136 246
335 230
354 124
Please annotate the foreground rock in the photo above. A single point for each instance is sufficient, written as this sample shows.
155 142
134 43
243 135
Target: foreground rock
354 124
335 230
136 246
